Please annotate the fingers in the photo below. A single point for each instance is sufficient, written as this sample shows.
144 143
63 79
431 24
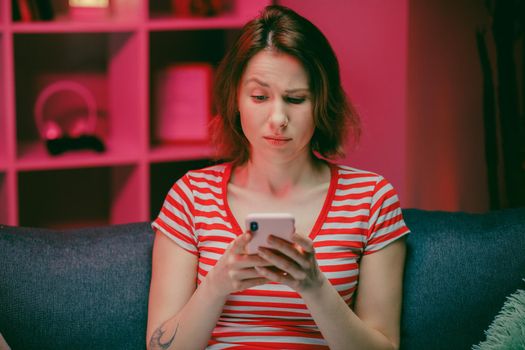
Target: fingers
283 263
249 283
299 252
242 267
291 263
246 278
305 243
238 259
245 274
239 262
239 244
235 270
274 275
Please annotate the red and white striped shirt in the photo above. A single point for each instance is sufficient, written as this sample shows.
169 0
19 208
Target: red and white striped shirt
360 216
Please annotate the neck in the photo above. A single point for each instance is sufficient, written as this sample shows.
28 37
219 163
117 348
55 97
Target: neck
279 178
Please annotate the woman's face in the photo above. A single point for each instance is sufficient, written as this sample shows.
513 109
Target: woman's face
275 106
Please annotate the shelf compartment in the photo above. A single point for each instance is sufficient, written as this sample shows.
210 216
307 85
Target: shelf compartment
78 197
64 198
164 175
234 13
105 64
118 11
208 48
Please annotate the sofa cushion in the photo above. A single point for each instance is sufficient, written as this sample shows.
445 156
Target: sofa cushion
460 268
80 289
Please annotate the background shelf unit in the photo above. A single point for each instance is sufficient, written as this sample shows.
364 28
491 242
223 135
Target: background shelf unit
160 173
118 58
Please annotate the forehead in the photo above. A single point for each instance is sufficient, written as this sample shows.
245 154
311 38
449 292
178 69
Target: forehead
276 70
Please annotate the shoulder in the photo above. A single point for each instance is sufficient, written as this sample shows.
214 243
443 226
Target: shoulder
195 181
212 175
362 183
212 171
350 175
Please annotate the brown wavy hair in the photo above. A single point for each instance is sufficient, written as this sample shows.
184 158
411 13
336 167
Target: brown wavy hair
281 29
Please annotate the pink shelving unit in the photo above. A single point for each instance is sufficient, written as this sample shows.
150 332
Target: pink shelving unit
121 54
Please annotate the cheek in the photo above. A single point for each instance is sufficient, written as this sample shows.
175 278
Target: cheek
252 116
308 126
244 123
248 125
308 133
244 115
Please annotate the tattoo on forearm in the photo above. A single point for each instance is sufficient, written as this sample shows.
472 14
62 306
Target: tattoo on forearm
155 342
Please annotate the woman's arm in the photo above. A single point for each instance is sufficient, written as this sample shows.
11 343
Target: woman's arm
173 282
376 320
179 314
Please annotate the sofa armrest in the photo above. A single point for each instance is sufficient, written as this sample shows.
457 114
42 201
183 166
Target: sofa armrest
79 289
460 268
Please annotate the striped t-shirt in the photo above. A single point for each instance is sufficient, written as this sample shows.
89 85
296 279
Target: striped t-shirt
361 215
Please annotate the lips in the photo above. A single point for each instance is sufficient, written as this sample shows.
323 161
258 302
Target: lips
277 140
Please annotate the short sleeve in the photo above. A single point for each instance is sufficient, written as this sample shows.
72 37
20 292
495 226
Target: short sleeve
175 219
386 222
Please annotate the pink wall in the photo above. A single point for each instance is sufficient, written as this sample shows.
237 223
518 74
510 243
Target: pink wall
370 40
411 68
447 168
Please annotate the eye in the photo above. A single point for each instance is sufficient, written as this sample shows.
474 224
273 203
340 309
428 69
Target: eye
294 100
259 98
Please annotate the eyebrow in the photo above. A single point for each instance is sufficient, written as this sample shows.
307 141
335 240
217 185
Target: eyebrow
262 83
297 90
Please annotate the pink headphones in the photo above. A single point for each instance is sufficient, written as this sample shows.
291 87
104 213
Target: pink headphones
80 133
50 129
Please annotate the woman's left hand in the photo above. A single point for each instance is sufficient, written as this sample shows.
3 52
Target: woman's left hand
294 263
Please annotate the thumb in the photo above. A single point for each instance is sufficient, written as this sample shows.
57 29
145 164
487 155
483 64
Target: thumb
239 244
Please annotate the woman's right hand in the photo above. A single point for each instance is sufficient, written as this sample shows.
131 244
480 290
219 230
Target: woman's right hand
235 270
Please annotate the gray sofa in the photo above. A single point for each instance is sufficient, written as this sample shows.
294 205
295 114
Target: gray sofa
88 288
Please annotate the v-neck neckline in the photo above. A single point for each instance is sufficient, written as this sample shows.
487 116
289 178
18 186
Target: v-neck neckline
321 217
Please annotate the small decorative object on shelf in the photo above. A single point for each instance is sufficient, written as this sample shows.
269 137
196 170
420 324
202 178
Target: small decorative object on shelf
198 8
32 10
70 126
183 103
89 9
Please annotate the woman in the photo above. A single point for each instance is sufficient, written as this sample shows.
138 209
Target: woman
283 117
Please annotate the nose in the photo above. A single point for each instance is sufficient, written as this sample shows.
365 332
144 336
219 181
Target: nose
278 116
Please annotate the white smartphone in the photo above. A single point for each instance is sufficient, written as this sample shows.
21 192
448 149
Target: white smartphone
261 225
